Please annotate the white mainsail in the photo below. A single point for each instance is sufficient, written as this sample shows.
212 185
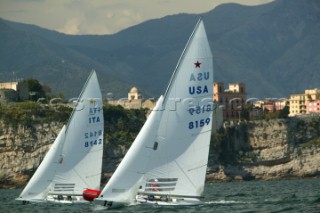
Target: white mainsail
74 161
170 154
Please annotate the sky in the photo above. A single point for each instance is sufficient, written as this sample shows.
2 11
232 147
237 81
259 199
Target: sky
80 17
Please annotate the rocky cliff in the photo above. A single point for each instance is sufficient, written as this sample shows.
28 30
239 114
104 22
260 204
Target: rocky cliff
22 149
274 149
266 149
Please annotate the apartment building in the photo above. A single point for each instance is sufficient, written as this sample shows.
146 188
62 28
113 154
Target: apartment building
231 100
13 91
305 103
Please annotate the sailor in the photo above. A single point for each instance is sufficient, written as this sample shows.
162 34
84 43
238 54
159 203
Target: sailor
164 198
155 186
151 197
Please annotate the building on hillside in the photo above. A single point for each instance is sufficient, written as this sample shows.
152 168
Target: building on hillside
313 106
262 107
9 88
281 103
231 100
134 101
149 103
312 94
297 104
8 95
268 105
301 104
312 101
134 94
271 105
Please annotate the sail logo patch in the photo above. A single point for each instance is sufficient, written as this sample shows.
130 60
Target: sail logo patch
197 64
198 90
94 106
94 110
199 76
91 101
94 119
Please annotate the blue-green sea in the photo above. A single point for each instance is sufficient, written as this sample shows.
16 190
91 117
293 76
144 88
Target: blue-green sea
301 195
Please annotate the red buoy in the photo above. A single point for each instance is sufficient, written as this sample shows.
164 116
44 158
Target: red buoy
90 194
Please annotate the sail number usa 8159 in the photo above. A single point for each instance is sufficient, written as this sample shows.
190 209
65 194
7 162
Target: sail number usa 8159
200 109
199 123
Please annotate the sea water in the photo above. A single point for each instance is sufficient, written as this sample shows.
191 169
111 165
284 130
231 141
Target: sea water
301 195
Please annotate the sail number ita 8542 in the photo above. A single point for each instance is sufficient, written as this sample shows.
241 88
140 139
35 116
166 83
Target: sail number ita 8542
91 138
199 123
93 143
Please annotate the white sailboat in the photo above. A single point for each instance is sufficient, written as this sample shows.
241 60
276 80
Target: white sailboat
74 161
167 162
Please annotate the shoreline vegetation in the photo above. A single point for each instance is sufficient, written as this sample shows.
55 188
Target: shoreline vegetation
265 149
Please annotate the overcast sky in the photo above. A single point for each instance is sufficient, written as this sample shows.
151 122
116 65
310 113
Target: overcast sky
102 16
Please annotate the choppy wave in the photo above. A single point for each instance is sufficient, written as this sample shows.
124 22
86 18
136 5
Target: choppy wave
226 202
255 196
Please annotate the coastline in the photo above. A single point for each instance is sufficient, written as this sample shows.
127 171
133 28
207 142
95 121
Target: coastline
255 150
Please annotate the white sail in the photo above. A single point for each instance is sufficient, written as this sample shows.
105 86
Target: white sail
122 187
74 161
36 188
170 154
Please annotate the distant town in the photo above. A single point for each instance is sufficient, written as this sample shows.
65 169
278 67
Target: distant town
232 103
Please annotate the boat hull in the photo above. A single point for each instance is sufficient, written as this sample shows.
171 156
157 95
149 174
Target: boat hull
56 199
172 201
109 204
65 199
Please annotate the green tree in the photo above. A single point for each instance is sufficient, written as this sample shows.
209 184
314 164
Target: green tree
36 90
245 112
122 125
284 112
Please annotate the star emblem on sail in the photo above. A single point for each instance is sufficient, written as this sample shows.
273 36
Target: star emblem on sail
197 64
91 101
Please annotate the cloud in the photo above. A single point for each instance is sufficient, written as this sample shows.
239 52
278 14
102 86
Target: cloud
98 17
101 16
104 20
71 27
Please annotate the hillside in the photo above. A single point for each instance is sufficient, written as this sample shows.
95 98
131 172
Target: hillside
273 48
63 69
